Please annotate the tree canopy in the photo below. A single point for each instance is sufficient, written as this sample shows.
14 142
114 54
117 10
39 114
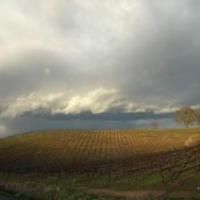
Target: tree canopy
188 116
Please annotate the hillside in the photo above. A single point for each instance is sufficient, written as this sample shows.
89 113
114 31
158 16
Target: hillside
80 150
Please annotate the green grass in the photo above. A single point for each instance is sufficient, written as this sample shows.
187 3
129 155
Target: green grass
46 187
43 187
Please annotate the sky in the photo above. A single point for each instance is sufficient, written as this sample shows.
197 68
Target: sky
96 63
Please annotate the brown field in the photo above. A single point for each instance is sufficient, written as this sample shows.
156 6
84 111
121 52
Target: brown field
57 151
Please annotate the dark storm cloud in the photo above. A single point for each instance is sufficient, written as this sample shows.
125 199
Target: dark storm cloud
117 116
28 124
71 57
165 57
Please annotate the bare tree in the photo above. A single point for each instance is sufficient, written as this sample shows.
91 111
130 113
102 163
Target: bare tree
198 116
187 116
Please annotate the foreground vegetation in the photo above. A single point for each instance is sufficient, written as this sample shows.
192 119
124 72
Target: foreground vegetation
63 187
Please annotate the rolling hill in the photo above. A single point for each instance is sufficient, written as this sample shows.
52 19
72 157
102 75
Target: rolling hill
82 151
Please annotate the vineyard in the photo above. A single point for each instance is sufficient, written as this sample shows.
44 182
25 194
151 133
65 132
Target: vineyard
137 151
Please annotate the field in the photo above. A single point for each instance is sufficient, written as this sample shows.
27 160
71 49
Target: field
115 160
67 151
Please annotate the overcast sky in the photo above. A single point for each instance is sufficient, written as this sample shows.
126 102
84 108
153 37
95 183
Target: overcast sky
65 57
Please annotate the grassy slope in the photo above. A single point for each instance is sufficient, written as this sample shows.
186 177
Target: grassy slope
65 150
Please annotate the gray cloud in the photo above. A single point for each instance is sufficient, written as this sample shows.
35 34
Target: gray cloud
148 52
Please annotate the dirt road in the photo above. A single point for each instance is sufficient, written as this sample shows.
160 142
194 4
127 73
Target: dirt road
139 195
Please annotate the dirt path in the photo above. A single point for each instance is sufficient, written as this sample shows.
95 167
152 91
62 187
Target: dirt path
139 195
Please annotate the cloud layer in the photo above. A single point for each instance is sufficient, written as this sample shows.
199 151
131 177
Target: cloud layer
69 103
74 56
